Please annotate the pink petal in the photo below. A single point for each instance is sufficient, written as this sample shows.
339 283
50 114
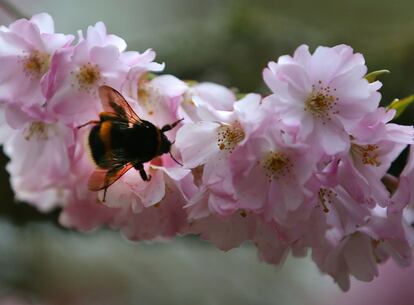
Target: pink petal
359 257
214 95
44 22
197 142
302 56
332 139
225 234
153 191
104 57
15 116
169 85
324 65
296 76
252 190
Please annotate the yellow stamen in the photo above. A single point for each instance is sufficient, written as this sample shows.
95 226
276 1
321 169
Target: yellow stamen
36 64
325 197
88 75
148 97
321 103
229 136
368 154
276 164
37 129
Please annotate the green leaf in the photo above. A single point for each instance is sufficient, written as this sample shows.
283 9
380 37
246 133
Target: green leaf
400 105
372 77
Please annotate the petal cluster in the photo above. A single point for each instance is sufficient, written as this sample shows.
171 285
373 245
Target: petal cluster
302 170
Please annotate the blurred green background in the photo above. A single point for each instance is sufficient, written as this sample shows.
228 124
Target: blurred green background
225 41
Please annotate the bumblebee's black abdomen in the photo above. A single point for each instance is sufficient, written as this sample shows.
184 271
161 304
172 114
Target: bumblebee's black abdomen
97 146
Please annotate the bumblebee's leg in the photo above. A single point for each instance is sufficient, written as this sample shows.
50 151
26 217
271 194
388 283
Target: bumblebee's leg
106 186
104 196
170 126
88 123
139 167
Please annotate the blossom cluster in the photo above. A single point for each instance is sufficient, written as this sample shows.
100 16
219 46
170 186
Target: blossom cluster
300 170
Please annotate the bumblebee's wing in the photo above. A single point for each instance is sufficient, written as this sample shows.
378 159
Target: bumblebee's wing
114 102
102 178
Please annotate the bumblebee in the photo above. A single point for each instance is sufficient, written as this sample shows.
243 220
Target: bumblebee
121 140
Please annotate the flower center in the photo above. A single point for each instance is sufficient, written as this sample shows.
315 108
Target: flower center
229 136
276 164
39 130
321 103
36 64
325 197
88 75
149 99
368 154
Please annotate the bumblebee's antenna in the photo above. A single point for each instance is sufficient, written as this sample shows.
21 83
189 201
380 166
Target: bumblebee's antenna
172 157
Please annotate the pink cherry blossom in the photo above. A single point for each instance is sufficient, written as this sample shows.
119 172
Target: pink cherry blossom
342 257
38 144
359 253
26 48
166 219
322 94
210 142
76 73
218 132
269 174
85 214
375 144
